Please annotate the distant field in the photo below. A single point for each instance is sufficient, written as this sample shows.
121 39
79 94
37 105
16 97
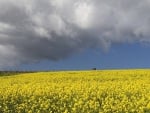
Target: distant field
107 91
10 73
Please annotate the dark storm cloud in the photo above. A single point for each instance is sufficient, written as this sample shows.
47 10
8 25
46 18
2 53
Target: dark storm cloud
33 30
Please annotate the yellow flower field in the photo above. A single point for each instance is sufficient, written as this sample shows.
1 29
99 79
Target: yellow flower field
105 91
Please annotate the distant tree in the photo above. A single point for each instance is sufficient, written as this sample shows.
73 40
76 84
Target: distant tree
93 68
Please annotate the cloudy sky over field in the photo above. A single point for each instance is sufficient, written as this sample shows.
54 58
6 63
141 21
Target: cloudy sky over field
60 33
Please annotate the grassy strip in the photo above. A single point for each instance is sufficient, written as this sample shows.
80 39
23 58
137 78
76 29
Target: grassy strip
10 73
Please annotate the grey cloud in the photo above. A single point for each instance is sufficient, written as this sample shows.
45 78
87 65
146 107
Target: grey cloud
33 30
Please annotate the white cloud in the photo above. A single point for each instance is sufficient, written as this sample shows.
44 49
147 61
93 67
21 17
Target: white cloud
83 14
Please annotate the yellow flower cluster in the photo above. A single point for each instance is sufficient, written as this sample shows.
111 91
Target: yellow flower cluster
105 91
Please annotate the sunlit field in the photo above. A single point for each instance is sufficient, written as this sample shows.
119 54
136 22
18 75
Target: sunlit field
106 91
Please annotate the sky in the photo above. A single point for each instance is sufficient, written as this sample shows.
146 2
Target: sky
74 34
